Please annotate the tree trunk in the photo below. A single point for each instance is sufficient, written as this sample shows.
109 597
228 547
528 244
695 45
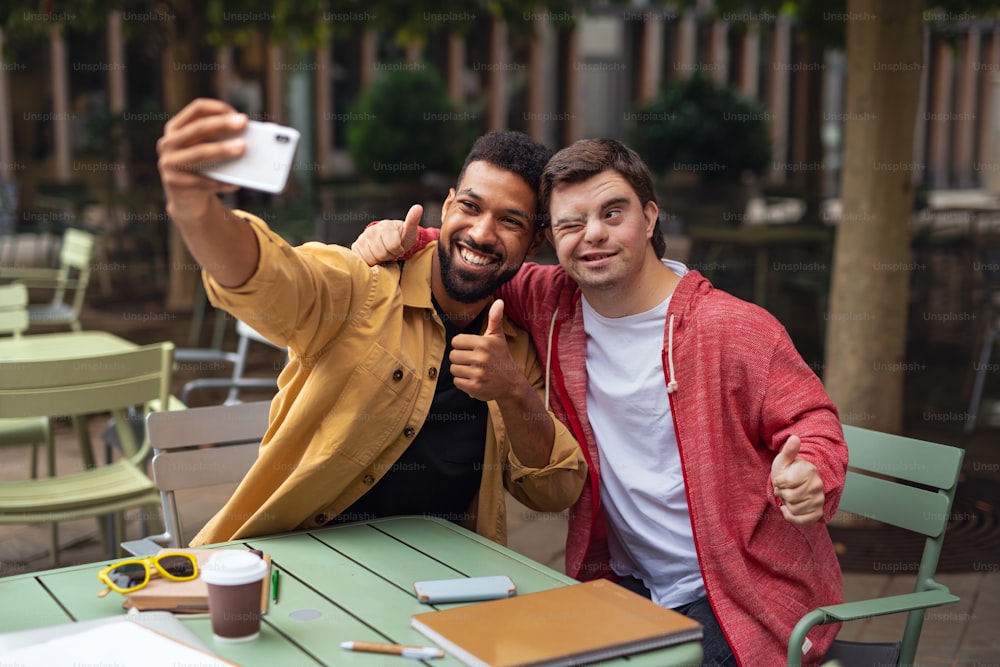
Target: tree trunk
866 333
812 186
180 86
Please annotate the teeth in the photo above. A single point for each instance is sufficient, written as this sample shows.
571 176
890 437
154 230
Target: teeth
473 258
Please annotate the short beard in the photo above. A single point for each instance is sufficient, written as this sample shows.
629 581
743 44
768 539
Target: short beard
473 289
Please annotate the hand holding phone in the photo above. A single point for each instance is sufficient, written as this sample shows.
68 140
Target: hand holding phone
266 162
465 589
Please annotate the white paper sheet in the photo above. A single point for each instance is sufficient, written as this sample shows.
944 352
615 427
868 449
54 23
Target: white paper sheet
121 643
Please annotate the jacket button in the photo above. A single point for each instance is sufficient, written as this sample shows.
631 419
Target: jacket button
397 374
369 479
320 518
432 373
408 431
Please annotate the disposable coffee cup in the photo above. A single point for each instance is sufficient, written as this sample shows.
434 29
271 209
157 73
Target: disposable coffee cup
235 579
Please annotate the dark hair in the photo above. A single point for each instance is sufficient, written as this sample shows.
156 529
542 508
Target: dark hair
515 152
588 157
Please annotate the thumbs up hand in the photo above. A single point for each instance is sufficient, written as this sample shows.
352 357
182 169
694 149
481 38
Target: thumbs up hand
482 365
797 485
389 239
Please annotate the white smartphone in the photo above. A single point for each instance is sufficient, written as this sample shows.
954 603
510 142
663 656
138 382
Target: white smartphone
466 589
267 161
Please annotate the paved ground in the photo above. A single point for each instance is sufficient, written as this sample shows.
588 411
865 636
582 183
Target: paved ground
960 635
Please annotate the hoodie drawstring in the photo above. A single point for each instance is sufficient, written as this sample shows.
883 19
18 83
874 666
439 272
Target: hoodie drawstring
548 358
672 384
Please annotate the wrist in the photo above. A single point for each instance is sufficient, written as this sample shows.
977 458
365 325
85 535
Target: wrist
188 211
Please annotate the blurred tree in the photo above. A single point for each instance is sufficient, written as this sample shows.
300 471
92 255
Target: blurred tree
698 125
865 361
187 31
402 142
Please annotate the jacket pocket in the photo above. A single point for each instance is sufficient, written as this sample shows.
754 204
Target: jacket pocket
373 407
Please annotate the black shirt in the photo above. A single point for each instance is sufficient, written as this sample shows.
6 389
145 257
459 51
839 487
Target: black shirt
440 472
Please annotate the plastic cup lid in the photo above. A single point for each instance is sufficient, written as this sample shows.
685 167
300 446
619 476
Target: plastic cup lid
233 568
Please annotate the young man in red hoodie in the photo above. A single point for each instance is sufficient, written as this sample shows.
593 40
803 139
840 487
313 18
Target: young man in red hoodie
715 454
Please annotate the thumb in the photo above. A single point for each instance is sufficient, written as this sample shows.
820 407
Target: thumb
410 226
787 455
494 324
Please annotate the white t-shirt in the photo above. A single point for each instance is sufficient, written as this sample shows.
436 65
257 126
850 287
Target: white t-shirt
642 486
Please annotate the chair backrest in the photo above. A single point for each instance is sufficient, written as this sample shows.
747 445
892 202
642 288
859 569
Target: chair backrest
13 309
237 382
90 384
907 483
201 447
74 265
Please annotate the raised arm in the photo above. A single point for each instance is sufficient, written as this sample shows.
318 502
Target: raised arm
221 242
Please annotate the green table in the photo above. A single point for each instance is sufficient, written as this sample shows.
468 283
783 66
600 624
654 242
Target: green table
349 582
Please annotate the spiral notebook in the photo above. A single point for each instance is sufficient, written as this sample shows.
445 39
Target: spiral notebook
560 627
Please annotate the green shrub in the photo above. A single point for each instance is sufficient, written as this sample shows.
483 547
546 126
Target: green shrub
405 126
694 125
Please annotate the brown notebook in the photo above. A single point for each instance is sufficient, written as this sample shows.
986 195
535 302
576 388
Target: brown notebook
571 625
180 597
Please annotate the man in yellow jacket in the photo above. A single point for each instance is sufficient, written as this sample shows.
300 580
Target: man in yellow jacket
406 391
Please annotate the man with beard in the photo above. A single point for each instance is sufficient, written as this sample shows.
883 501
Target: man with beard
406 391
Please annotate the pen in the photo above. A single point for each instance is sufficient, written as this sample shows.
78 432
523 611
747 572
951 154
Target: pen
419 652
274 587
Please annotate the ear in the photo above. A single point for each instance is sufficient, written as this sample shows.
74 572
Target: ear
536 243
652 213
447 202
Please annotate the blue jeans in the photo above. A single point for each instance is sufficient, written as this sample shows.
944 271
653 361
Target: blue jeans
715 649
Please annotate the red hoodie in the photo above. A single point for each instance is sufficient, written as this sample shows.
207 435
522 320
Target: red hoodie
741 389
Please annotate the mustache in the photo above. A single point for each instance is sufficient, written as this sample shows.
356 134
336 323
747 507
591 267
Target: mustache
478 247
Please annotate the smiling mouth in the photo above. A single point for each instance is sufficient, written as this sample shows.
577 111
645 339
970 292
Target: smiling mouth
597 257
474 258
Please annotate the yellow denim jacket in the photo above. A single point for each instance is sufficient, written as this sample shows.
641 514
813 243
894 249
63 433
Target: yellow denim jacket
364 346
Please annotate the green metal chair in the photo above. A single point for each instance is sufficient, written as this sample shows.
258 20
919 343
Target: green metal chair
22 430
108 383
68 282
907 483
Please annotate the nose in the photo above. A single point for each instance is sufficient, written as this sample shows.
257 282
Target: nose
594 231
483 230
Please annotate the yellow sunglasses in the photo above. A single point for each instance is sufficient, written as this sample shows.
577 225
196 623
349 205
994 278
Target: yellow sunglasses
131 575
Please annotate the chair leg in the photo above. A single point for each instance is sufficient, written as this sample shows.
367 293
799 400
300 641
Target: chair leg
977 387
82 426
117 534
50 450
54 543
197 316
105 527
